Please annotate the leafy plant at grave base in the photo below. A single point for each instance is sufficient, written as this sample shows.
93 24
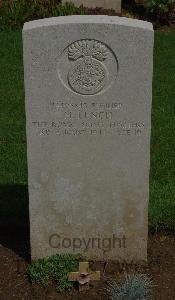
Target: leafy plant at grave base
135 287
54 268
160 10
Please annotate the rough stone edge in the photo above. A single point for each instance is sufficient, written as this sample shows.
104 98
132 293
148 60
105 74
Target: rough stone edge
88 19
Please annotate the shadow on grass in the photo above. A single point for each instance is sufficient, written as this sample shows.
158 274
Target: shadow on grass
14 219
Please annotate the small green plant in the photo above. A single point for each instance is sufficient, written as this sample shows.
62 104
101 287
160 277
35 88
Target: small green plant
54 268
160 10
135 287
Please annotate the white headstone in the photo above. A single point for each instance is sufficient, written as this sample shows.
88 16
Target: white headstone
88 85
106 4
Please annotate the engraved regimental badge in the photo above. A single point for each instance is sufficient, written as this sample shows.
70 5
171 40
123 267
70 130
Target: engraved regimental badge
88 74
87 67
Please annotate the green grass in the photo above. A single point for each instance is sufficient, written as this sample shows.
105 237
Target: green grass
162 176
13 164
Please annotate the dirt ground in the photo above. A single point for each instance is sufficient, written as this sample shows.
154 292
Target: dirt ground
15 256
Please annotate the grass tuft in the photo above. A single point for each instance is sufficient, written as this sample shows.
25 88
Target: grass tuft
135 287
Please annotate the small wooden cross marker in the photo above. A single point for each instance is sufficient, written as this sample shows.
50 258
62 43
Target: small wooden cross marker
84 276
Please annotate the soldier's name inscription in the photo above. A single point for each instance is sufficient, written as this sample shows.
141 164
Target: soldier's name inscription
91 118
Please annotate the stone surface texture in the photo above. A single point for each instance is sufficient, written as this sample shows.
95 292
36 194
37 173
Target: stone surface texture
88 91
106 4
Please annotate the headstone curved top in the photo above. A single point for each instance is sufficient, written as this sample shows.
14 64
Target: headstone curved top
88 87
